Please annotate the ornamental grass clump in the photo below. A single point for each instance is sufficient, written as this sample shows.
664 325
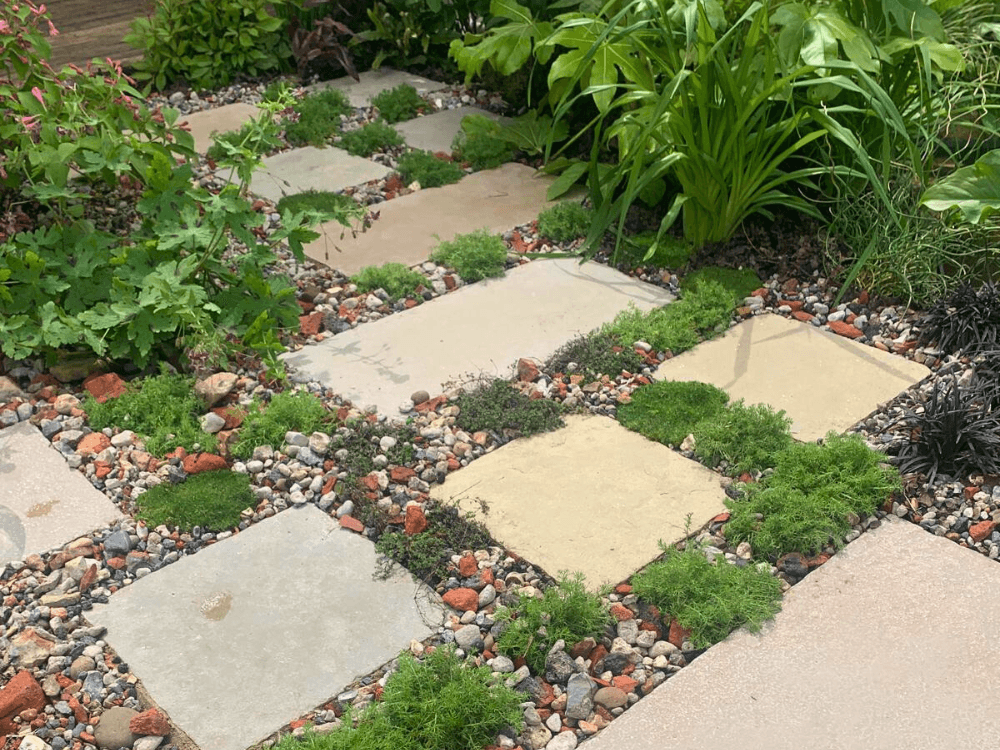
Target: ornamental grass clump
747 438
212 500
286 412
476 256
667 411
965 321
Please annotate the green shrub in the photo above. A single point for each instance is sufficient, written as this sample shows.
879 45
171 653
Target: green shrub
500 408
564 221
740 283
287 412
162 409
667 411
566 611
427 555
440 702
479 144
595 353
206 44
671 252
810 498
366 140
398 104
747 437
477 255
317 200
711 599
319 117
428 170
260 141
212 500
395 279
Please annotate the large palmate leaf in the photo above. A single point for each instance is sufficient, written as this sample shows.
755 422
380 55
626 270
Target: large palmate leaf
506 47
812 35
973 190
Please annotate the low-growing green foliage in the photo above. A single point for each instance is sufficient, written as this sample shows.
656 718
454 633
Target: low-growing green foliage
395 279
318 200
212 500
440 702
398 104
162 409
747 438
740 282
671 252
286 412
361 441
563 222
477 255
479 143
711 599
428 170
566 611
667 411
594 354
260 140
499 408
810 498
318 117
366 140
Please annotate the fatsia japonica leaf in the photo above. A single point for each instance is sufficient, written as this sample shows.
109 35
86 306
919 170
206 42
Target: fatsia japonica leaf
506 47
974 190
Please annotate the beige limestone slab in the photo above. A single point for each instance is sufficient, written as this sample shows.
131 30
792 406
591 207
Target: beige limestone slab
823 381
592 497
890 645
254 631
437 131
310 168
374 82
410 227
44 504
217 120
481 328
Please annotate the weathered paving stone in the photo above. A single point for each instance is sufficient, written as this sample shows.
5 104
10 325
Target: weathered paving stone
592 497
217 120
310 168
436 132
44 504
482 328
899 612
277 618
374 82
823 381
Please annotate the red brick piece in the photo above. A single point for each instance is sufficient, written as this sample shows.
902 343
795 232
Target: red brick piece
201 462
93 442
415 522
150 722
21 694
463 599
103 387
843 329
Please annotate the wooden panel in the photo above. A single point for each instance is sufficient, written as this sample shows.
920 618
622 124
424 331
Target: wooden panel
93 28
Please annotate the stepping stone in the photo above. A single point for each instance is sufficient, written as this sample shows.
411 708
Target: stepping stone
898 618
278 618
310 168
218 120
481 328
44 504
436 132
410 227
823 381
592 497
374 82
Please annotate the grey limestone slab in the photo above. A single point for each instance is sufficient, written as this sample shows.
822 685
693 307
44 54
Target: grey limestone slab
888 645
482 328
253 631
436 132
309 168
374 82
44 504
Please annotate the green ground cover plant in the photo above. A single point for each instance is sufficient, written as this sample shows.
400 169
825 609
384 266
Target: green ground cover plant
668 411
439 702
644 249
566 612
318 117
809 500
428 170
212 500
594 354
499 408
286 412
162 409
260 140
711 599
395 279
479 143
476 255
398 104
366 140
740 282
360 440
747 438
563 222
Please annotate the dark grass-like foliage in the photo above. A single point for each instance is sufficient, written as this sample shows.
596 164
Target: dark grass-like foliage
594 354
212 500
966 320
499 408
667 411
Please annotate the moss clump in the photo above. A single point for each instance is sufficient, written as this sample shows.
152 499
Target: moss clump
287 412
398 104
212 500
671 252
477 255
394 279
808 501
564 221
425 168
668 411
747 438
595 354
366 140
318 117
163 410
739 283
501 409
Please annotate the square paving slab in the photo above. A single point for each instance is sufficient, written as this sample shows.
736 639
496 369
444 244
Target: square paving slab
310 168
44 504
410 227
482 328
592 497
887 646
218 120
823 381
254 631
437 131
374 82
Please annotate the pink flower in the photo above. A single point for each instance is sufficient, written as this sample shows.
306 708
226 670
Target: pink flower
4 27
30 122
53 31
37 93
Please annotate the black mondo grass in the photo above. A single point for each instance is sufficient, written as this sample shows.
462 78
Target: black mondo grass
966 320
